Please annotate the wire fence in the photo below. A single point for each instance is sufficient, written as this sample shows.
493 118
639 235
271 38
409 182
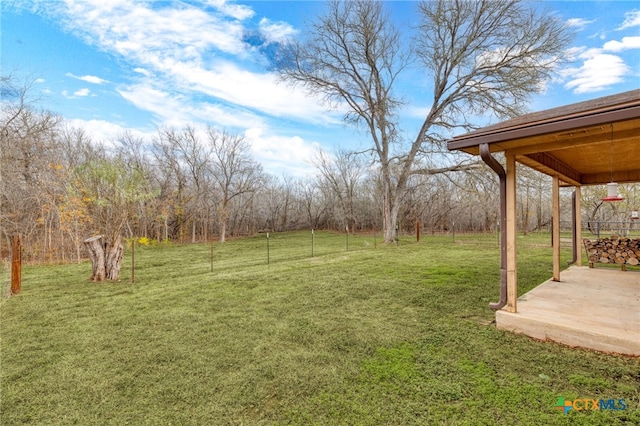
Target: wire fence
630 228
277 247
281 248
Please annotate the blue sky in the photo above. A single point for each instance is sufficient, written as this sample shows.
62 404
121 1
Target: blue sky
114 65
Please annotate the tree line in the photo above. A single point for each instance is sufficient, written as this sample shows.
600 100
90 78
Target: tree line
59 187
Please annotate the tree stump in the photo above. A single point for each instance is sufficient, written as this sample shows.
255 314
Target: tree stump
95 248
106 257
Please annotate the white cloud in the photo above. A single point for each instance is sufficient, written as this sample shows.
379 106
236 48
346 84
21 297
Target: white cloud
276 31
602 67
631 19
236 11
598 72
140 30
601 35
166 108
579 23
259 92
82 92
39 80
106 132
88 78
142 71
180 110
413 111
289 155
193 50
626 43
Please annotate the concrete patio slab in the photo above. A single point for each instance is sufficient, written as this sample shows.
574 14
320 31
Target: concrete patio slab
593 308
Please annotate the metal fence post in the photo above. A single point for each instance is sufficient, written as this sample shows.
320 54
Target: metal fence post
16 265
347 236
133 260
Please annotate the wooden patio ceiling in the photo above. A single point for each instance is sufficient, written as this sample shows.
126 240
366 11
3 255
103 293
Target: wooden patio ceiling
588 143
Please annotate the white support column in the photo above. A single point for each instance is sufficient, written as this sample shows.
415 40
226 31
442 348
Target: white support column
555 197
512 277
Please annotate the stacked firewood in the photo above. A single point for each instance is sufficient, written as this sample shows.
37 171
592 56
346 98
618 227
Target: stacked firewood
616 250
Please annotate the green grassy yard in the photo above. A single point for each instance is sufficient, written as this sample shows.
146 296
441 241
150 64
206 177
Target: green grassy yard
391 335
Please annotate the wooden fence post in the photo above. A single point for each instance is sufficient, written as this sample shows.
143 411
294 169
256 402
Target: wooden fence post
211 255
16 265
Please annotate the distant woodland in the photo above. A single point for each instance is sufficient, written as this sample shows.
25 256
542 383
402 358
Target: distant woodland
59 187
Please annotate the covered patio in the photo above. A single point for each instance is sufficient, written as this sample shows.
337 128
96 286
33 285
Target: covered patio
588 143
591 308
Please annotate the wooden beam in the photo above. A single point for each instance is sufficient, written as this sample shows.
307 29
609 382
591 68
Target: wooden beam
567 173
555 197
512 283
578 241
622 176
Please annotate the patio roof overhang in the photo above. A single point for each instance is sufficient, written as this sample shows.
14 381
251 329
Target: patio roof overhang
587 143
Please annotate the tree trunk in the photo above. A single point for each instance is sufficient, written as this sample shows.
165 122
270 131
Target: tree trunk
114 250
223 231
96 253
223 216
106 257
166 228
390 220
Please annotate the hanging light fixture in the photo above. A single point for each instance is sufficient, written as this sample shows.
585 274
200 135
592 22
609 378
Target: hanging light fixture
612 187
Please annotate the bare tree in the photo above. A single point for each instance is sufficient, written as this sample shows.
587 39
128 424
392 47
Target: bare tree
133 151
194 157
16 100
343 174
29 188
181 162
312 203
233 170
533 201
484 57
77 148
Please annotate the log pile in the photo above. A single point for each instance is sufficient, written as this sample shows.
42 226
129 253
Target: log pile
614 250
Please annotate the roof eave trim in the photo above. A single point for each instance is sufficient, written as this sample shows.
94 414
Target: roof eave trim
562 125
